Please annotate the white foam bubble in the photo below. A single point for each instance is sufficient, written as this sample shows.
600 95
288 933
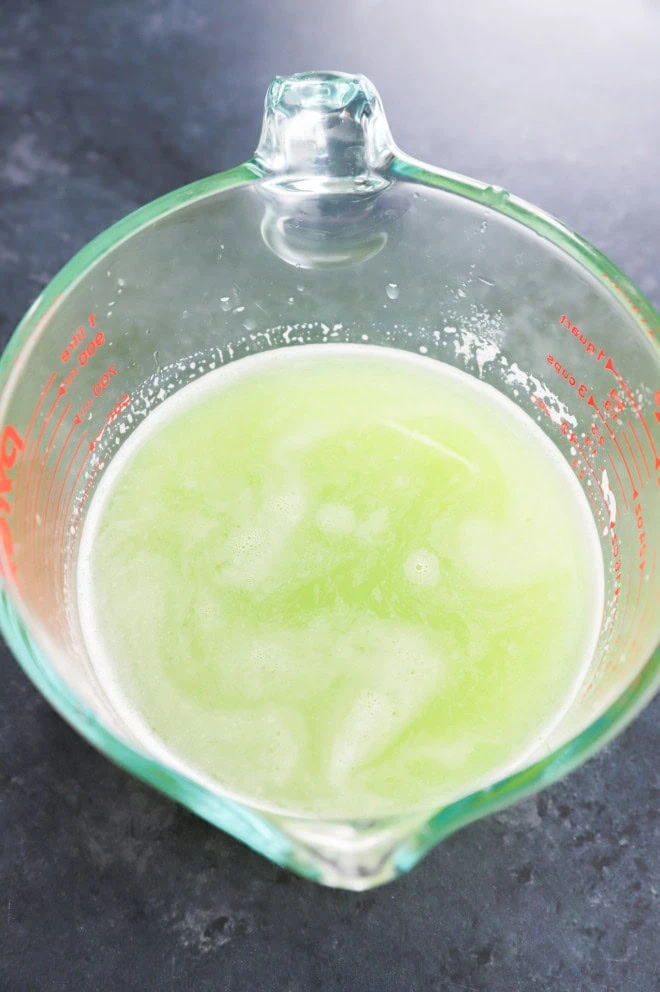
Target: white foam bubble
288 502
422 568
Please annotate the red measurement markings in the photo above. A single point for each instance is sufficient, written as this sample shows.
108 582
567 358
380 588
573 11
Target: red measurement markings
641 450
566 430
43 468
629 623
596 440
118 409
614 405
592 403
91 348
62 511
616 563
626 607
580 472
55 432
31 496
618 477
44 459
97 437
593 473
11 446
60 520
110 418
641 536
105 380
59 507
633 625
68 502
32 491
597 507
609 365
79 336
565 374
90 482
26 439
35 541
590 347
633 459
66 516
75 424
77 339
651 580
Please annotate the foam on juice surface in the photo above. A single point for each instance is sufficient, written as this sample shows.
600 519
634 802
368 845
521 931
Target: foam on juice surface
340 580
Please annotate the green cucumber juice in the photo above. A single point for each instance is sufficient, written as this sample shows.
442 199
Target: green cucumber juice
340 581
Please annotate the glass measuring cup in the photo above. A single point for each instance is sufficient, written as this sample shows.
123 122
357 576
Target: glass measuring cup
330 234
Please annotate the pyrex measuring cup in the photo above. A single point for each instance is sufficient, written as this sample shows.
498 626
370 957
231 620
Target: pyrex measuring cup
330 234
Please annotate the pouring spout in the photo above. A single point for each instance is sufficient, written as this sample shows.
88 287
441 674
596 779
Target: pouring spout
355 855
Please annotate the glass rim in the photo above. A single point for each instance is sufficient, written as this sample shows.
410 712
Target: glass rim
249 822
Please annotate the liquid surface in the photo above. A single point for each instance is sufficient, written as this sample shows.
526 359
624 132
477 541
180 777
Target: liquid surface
340 580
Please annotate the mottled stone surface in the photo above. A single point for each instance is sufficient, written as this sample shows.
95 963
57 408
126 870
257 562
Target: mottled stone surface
106 886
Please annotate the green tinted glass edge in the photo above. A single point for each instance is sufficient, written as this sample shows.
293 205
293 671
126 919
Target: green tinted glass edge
253 828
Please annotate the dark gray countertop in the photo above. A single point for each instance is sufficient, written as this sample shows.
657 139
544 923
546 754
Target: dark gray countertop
104 885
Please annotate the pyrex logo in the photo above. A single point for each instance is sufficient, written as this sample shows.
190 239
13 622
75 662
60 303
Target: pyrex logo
11 445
